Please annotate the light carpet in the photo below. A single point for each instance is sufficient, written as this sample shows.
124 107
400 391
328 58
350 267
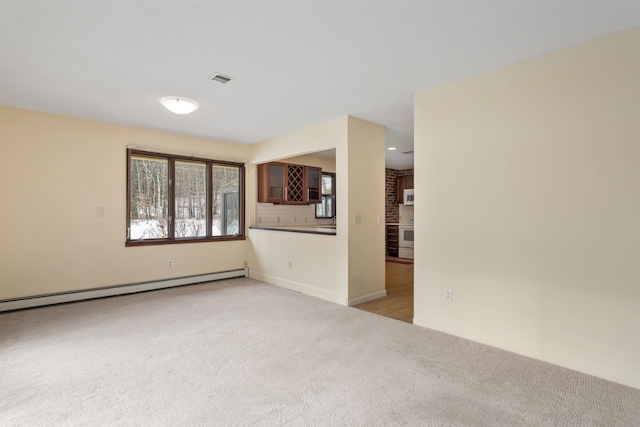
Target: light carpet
243 353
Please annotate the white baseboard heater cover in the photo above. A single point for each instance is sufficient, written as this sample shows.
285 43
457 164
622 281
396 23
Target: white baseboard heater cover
109 291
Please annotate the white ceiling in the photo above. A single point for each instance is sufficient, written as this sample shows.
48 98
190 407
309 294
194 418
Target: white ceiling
296 62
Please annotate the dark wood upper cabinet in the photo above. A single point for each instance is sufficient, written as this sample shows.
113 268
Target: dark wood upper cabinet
284 183
404 182
314 184
408 182
272 178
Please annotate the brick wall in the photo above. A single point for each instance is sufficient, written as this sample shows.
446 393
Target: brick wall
391 186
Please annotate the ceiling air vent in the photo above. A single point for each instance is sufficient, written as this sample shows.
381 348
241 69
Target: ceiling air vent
221 78
407 152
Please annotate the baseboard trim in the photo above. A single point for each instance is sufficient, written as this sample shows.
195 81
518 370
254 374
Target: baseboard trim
299 287
109 291
366 298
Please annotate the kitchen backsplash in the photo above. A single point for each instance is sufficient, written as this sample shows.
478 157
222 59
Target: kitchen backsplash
269 215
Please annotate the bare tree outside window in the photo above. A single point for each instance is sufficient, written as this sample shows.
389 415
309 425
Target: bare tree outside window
225 192
191 199
149 198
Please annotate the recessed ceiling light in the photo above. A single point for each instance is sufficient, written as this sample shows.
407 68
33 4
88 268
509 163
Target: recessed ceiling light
179 105
221 78
392 148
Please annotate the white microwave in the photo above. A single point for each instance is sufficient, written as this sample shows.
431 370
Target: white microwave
408 196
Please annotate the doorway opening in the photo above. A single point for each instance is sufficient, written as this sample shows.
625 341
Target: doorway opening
398 304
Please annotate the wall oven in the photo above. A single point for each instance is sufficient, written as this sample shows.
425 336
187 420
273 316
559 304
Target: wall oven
405 241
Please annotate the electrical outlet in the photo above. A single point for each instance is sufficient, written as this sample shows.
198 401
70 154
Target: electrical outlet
169 263
290 265
245 264
278 219
448 295
295 219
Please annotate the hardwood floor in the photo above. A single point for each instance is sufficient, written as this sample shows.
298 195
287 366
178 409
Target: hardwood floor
398 304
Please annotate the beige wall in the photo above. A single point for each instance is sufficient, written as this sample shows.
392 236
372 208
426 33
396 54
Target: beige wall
528 198
270 252
325 163
317 266
366 210
355 267
55 172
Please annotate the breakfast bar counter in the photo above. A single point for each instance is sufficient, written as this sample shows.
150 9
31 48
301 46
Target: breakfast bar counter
328 230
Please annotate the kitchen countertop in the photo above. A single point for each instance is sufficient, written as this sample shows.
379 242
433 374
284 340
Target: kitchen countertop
309 229
400 223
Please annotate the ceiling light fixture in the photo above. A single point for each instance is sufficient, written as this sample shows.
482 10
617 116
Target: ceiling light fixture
178 105
392 148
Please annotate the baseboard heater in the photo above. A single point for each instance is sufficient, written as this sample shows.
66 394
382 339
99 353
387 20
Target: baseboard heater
109 291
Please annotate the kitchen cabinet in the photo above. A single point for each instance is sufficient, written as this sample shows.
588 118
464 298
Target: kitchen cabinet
314 184
403 183
393 237
284 183
271 182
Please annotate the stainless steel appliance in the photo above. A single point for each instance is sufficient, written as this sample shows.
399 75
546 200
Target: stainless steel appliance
405 241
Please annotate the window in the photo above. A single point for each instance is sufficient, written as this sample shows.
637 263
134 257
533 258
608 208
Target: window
327 209
174 199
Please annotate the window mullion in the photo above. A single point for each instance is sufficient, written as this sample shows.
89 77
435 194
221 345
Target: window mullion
128 195
209 198
171 214
241 201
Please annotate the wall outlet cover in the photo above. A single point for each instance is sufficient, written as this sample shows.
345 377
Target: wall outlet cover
448 295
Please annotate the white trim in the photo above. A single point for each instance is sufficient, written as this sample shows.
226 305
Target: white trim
62 297
299 287
366 298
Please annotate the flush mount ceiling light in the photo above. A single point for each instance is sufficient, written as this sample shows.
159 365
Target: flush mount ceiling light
392 148
178 105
